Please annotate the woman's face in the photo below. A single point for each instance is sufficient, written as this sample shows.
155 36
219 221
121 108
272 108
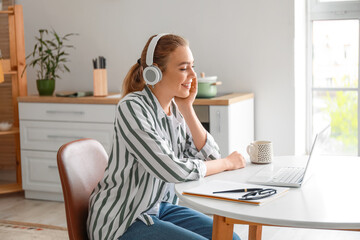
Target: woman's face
177 77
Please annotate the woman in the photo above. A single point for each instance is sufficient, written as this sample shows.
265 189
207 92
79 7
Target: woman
158 141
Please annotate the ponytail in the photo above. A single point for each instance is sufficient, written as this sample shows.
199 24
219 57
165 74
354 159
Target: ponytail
133 81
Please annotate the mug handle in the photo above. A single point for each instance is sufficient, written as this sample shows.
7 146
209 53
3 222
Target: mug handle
251 150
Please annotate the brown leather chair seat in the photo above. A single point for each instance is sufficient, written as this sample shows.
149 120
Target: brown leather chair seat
81 166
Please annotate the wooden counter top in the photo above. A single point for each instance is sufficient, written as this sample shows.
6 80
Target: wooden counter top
222 100
225 99
81 100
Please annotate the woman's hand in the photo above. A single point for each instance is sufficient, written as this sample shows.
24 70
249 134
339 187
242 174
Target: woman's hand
185 103
234 161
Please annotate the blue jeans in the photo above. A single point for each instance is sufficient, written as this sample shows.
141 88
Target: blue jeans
174 222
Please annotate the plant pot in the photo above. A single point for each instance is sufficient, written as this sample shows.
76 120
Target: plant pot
207 87
45 87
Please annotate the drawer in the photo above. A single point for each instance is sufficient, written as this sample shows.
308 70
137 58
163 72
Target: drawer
50 136
104 113
40 172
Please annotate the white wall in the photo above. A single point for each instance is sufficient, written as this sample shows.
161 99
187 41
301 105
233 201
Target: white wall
248 44
301 146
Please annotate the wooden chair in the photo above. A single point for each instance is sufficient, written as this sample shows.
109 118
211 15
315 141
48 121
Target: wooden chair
81 166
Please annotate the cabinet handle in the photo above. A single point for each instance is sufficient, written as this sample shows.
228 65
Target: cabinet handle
66 137
64 112
52 166
219 123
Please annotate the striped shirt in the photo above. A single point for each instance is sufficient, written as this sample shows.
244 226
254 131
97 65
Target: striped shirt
151 151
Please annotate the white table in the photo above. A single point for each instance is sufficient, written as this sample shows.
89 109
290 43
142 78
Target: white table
329 199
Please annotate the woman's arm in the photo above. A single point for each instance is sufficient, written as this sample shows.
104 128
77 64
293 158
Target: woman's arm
234 161
185 106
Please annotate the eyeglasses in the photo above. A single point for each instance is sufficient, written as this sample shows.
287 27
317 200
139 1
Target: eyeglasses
260 194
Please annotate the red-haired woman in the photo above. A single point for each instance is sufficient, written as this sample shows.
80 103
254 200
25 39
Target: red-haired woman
158 141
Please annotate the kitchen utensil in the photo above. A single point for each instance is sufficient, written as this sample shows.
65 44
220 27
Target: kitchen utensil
100 82
207 86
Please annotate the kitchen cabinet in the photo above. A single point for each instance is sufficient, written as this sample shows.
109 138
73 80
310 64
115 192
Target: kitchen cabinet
44 127
48 122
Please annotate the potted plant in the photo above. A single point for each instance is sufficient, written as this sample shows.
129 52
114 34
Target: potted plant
50 56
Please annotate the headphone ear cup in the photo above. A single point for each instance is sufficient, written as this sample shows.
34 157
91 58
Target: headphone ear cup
152 75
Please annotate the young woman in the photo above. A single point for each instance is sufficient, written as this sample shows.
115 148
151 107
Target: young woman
158 141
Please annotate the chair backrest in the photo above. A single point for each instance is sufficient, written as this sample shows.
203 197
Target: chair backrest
81 166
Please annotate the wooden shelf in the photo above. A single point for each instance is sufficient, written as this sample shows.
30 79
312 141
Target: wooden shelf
13 130
14 67
10 73
7 67
10 188
6 12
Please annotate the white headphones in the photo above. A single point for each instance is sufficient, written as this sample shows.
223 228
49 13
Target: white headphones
152 74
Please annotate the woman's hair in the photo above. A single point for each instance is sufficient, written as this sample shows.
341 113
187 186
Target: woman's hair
134 80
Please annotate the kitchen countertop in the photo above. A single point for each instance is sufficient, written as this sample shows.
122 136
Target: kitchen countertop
114 99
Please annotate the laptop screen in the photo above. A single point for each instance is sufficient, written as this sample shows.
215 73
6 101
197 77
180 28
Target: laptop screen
318 141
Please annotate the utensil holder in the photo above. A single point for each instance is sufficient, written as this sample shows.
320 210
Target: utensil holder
100 83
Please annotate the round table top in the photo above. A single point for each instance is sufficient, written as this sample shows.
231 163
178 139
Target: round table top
328 199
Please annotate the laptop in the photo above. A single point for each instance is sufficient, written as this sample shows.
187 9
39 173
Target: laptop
289 176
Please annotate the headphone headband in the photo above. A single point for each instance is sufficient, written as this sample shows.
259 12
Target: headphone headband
151 49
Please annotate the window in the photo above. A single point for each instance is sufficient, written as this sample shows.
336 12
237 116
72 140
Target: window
334 73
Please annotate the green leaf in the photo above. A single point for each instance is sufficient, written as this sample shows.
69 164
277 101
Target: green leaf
49 53
51 43
57 37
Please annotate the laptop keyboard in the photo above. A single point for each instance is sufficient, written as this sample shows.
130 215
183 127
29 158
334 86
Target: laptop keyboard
289 175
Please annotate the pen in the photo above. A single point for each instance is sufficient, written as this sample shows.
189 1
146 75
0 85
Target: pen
239 190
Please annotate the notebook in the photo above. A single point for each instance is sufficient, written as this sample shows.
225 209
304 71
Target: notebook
207 191
288 176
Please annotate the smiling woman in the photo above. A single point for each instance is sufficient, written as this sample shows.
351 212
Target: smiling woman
178 77
158 141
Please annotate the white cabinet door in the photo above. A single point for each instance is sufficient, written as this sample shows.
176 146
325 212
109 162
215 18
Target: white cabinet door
95 113
41 171
232 126
219 127
49 136
241 126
